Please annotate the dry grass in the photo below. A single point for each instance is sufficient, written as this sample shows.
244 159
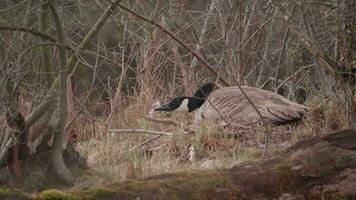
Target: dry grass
117 156
111 157
327 115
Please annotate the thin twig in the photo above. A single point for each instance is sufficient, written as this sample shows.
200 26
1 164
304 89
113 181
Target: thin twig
327 98
264 122
329 64
175 38
145 142
203 32
286 37
294 74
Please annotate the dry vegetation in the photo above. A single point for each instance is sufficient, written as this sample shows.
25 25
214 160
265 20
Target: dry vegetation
122 156
151 51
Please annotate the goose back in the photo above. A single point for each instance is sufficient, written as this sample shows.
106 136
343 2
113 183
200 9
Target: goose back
230 104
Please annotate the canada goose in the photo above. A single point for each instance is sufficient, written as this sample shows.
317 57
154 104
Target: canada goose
230 104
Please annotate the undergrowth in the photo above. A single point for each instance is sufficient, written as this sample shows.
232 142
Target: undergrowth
119 156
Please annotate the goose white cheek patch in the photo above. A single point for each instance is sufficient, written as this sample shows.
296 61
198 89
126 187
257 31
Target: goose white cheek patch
183 107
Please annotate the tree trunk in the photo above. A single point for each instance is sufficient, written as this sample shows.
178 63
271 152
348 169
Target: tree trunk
19 151
347 60
348 41
46 65
57 161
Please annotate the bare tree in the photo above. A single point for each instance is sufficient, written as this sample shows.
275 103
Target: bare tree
54 104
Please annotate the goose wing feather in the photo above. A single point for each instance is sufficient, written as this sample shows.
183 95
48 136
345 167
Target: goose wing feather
280 113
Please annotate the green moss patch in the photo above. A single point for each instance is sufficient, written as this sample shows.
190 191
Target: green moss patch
181 185
9 194
53 194
98 193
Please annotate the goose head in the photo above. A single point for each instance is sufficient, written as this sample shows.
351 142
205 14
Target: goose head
188 104
181 104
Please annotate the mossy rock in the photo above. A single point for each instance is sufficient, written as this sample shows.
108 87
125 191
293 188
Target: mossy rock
10 194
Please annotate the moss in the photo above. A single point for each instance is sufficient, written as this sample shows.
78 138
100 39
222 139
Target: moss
345 159
4 191
182 185
98 193
188 185
10 194
53 194
81 172
285 176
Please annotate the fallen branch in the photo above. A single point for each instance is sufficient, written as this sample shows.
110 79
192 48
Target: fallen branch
140 131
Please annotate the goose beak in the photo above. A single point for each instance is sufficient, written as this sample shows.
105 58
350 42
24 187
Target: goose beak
164 107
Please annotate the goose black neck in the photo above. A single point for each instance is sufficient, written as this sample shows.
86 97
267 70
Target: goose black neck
195 103
204 91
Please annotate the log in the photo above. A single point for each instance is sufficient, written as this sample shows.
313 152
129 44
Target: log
316 168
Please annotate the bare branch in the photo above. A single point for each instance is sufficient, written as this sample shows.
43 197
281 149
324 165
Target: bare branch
47 102
175 38
203 31
28 30
293 75
330 64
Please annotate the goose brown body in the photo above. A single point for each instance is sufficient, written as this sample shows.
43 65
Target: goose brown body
231 105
